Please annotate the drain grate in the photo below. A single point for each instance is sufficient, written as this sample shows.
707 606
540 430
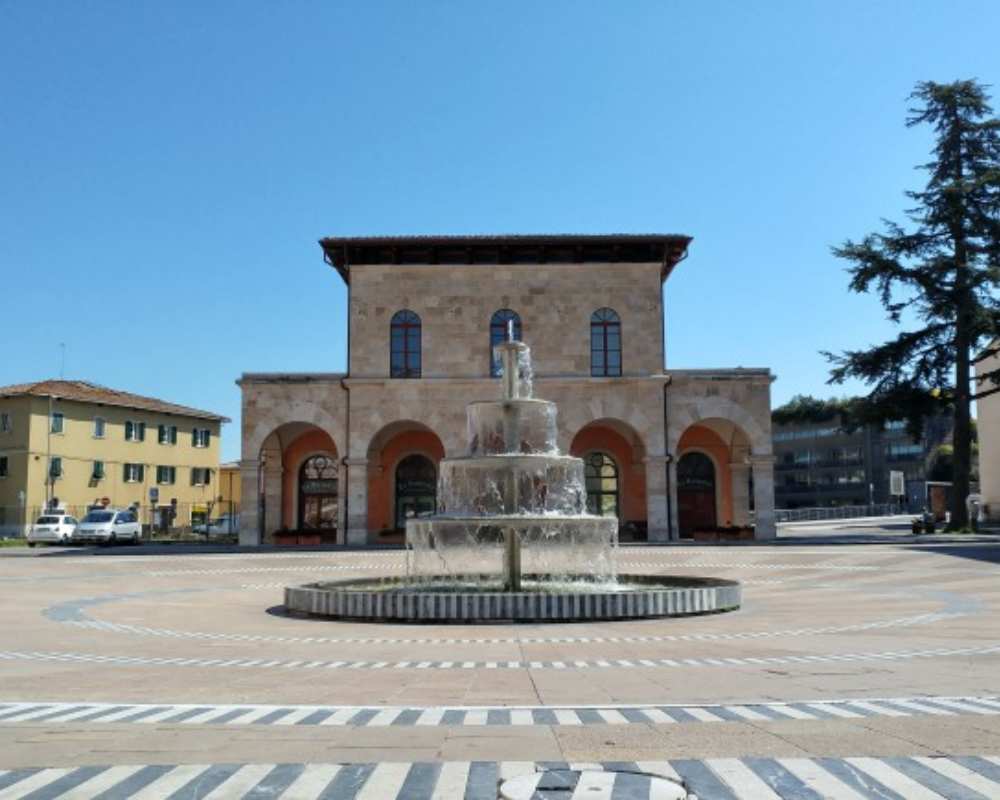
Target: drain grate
563 784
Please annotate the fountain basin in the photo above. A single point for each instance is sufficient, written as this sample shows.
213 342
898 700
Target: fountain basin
561 599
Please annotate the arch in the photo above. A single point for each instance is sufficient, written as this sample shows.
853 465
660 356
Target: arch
605 343
392 444
414 488
697 506
404 345
280 458
601 482
318 495
498 333
624 446
718 411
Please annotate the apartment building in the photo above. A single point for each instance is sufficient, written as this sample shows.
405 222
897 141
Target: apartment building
74 444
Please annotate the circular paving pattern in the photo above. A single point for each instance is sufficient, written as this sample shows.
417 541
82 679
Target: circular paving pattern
846 666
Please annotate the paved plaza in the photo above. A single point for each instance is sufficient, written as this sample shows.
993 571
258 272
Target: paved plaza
866 671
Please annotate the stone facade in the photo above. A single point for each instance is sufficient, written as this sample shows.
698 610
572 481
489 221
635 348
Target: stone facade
370 422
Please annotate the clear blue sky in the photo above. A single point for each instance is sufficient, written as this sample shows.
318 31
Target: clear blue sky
166 168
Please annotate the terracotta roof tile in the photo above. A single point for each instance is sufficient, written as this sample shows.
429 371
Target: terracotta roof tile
85 392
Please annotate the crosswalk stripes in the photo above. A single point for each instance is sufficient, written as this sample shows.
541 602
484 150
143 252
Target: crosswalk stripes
858 778
47 713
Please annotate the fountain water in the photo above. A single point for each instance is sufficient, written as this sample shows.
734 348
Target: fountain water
511 539
514 506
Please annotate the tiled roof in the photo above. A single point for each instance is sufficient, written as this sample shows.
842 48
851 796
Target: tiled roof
85 392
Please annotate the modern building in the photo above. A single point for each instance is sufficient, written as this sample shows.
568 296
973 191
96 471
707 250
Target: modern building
353 455
988 428
73 444
820 463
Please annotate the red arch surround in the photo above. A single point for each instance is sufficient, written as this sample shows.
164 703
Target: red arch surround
624 446
388 448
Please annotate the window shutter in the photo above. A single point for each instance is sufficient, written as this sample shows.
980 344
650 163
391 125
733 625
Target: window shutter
173 434
142 471
194 437
142 431
125 473
193 472
207 437
129 429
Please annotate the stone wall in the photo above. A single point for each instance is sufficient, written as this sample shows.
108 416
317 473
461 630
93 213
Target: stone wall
554 301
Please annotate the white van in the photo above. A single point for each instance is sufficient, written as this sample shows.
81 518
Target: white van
109 526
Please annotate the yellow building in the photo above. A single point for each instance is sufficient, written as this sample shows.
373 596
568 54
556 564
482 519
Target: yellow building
229 487
73 444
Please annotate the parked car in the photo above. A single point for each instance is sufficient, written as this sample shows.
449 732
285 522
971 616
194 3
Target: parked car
220 526
52 529
108 526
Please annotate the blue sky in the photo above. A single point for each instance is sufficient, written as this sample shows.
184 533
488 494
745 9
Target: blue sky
166 168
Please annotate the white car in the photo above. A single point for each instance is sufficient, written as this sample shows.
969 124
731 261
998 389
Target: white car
52 528
220 526
109 526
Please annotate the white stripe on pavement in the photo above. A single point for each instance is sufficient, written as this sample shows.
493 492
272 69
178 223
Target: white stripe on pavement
240 782
818 779
894 779
385 782
741 779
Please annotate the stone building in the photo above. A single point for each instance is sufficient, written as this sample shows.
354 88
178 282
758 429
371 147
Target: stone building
352 455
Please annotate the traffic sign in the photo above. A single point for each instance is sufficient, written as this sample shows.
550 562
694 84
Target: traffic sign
154 494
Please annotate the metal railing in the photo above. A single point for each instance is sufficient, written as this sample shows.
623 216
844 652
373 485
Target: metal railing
838 512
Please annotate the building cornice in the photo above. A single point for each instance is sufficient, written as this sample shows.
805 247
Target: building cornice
343 252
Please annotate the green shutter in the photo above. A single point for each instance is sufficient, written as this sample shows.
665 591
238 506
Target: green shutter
142 431
142 472
129 429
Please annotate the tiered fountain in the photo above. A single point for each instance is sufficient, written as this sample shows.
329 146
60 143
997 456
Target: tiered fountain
511 539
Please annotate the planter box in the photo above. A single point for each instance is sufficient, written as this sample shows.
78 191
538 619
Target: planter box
296 539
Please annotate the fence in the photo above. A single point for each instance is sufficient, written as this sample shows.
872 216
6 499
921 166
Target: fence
219 521
838 512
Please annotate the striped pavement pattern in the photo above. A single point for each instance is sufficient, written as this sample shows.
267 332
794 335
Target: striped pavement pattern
902 778
49 713
143 630
599 663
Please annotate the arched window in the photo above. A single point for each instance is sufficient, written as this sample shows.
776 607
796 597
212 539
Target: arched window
499 323
404 350
318 493
416 488
605 343
601 475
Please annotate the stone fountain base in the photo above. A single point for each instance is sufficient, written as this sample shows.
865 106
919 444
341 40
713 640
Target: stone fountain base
393 600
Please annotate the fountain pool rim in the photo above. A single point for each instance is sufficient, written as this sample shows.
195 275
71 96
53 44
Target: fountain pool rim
397 600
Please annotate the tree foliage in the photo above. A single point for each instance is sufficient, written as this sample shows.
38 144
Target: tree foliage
938 276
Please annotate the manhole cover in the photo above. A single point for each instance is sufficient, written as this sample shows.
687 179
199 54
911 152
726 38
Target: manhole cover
562 784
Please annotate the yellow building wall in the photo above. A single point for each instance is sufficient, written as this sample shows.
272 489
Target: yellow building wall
79 448
230 488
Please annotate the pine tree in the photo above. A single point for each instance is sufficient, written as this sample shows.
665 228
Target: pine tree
940 275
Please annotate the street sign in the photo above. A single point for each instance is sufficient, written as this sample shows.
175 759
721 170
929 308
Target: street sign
897 483
154 494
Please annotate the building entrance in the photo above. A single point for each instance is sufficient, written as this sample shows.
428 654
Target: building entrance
695 493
